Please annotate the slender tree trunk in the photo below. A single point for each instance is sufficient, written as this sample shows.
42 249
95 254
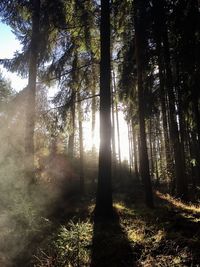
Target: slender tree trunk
135 151
73 110
182 127
150 147
117 121
104 189
72 125
113 137
197 121
144 161
181 189
155 153
31 94
81 171
93 109
129 147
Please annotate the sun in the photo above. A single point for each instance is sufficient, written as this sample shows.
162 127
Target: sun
124 141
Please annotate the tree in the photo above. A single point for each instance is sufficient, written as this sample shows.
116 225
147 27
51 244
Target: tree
32 77
139 47
104 191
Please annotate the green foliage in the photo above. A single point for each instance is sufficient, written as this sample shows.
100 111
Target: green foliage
6 91
71 246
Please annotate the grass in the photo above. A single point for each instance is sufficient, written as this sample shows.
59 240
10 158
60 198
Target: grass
177 203
136 237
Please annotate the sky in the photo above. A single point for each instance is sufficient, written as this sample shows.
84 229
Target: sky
8 46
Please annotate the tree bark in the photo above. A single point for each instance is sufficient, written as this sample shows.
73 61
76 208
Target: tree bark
144 161
81 170
181 189
135 151
31 94
73 110
104 206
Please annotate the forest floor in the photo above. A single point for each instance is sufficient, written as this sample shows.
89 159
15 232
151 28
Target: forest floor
168 235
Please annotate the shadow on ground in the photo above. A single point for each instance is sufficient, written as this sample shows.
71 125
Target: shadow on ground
110 246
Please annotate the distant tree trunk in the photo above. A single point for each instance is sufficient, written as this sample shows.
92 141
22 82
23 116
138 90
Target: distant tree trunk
117 121
181 188
169 160
104 189
81 171
73 110
135 151
182 126
113 137
155 152
31 94
72 126
93 109
150 147
130 147
144 162
196 113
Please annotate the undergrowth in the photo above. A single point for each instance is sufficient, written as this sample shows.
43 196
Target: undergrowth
138 237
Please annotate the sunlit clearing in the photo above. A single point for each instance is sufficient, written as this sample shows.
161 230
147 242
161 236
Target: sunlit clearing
178 203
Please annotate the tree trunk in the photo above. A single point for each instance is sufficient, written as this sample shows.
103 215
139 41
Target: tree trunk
130 147
104 189
150 148
93 108
135 151
144 162
181 189
113 137
31 94
117 121
73 109
81 170
169 160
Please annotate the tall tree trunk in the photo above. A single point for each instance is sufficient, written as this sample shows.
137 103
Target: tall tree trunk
31 94
130 147
113 137
73 109
117 121
104 206
181 189
169 160
93 108
197 122
135 151
81 170
144 161
72 126
150 148
182 127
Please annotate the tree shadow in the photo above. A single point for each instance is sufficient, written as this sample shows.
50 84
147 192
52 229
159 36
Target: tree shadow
110 245
181 232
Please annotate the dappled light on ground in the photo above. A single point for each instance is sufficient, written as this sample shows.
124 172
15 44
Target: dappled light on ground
137 236
177 203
